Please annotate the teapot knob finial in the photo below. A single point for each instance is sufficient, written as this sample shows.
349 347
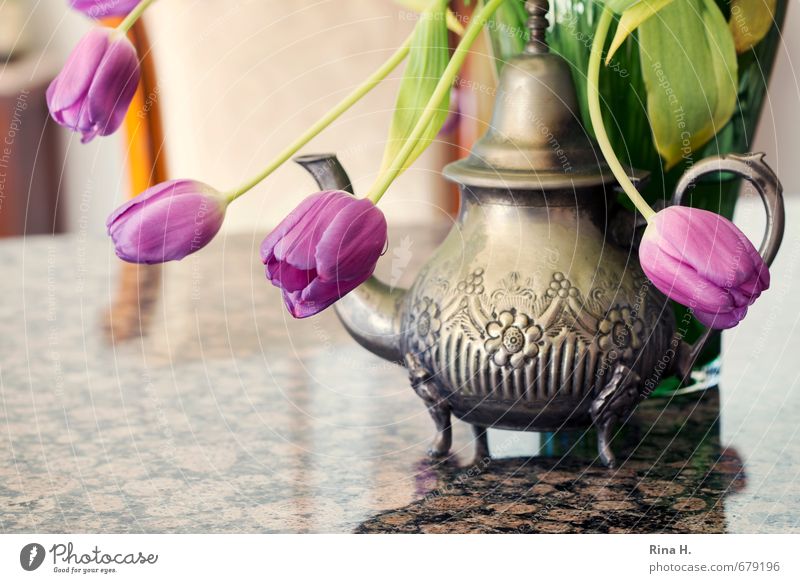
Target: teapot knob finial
537 24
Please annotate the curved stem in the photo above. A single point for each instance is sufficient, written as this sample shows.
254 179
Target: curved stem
475 26
593 97
327 119
134 15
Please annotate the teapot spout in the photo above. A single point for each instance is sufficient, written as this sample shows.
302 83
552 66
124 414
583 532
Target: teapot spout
326 170
371 312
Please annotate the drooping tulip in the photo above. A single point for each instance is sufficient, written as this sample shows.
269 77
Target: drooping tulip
167 222
324 249
93 91
703 261
104 8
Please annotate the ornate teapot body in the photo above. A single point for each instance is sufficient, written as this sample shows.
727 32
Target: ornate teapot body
526 309
533 314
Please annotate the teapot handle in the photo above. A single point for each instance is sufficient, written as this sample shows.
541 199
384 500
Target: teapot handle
756 171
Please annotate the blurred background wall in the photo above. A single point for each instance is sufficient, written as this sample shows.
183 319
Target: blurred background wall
40 34
239 79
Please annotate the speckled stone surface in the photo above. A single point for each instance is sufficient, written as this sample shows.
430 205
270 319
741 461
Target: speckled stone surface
230 417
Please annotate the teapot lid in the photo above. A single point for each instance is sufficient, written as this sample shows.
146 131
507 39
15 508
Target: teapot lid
536 139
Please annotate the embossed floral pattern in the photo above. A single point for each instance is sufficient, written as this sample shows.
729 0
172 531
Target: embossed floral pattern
620 330
428 322
513 339
514 319
561 287
473 284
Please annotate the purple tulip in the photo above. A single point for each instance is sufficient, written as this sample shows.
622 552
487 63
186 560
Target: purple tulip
324 249
453 118
104 8
93 91
703 261
167 222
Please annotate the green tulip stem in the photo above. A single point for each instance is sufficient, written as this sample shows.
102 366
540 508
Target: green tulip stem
476 24
593 96
326 120
134 15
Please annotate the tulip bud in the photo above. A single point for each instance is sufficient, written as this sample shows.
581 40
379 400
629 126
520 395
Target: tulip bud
93 91
324 249
703 261
103 8
167 222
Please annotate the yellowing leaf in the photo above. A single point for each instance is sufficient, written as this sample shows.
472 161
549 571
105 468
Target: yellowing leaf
690 72
428 56
750 21
631 19
620 6
420 6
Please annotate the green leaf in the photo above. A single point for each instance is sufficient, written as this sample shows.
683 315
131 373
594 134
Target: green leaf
421 5
632 19
690 72
620 6
427 59
508 31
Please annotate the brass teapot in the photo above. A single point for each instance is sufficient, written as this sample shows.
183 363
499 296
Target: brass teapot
534 314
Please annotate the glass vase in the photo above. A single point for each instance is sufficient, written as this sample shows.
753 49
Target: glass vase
622 87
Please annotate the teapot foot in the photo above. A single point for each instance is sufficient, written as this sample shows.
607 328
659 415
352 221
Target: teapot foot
444 431
481 455
604 451
613 405
425 387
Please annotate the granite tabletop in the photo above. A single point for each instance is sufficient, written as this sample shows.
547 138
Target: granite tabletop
228 416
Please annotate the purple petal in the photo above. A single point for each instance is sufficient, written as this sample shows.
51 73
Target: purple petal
287 224
318 296
299 246
706 241
760 279
721 320
165 230
102 8
740 298
680 281
166 222
352 243
160 190
324 249
285 276
72 84
113 87
454 116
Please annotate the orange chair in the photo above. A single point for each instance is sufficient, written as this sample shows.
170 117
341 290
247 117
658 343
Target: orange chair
138 285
